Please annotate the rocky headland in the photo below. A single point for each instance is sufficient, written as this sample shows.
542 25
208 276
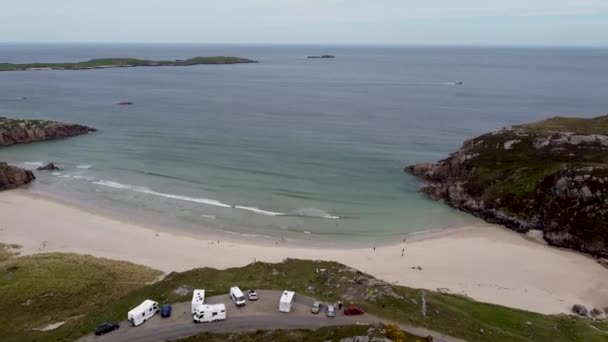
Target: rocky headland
550 176
14 131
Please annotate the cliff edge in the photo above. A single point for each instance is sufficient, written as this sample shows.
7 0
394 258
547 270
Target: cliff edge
550 176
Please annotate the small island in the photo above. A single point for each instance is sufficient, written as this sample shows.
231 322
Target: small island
105 63
323 56
550 176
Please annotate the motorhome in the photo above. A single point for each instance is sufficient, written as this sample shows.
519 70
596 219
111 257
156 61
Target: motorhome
286 301
237 296
142 312
209 313
198 298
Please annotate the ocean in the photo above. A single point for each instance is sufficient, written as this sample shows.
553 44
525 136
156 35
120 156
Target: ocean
290 149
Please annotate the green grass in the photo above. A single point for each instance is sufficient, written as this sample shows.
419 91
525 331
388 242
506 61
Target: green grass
453 315
296 335
123 62
8 251
598 125
47 288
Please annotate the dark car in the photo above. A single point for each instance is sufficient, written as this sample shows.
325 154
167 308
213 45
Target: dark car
353 311
165 310
106 327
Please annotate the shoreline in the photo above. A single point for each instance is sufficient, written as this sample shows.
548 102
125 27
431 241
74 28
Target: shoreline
487 263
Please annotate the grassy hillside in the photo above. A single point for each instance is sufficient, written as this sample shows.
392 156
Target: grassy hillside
457 316
124 62
48 288
303 335
84 291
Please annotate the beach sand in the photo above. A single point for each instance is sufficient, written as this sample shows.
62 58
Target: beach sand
487 263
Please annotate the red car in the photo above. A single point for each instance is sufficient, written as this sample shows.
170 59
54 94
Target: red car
353 311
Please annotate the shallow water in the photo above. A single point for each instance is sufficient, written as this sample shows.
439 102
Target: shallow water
289 148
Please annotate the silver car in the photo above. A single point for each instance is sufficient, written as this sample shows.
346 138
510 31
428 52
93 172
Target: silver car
316 307
331 311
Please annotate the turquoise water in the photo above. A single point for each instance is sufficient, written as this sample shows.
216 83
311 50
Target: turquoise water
289 148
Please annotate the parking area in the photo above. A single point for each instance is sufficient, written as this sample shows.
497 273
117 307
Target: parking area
260 314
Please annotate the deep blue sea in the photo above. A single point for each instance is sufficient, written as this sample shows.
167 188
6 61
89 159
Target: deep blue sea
289 148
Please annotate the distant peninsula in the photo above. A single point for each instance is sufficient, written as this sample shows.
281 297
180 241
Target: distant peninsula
322 56
550 176
106 63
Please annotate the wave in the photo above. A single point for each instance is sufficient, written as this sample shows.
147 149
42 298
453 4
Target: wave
312 212
186 198
112 184
209 216
259 211
84 166
305 212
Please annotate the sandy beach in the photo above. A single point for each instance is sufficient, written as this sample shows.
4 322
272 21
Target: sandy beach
487 263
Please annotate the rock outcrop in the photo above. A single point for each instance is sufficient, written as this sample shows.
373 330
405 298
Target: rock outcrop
12 177
48 167
550 176
13 131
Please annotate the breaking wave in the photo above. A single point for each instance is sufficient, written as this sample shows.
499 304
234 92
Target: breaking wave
84 166
306 212
312 212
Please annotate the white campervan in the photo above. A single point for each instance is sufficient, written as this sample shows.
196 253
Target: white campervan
237 296
198 298
286 301
142 312
209 313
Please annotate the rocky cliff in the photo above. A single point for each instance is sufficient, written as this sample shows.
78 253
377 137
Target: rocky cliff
12 177
13 131
550 176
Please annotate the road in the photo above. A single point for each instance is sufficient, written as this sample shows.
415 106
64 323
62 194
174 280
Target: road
261 314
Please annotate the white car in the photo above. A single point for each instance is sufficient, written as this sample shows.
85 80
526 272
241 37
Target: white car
252 295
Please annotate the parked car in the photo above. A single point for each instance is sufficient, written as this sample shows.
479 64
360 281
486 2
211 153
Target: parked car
316 307
165 311
237 296
252 295
353 311
105 328
330 311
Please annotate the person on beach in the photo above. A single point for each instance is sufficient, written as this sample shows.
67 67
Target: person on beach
374 248
402 251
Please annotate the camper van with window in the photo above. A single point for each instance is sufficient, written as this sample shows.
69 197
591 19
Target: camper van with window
198 298
142 312
209 313
237 296
286 301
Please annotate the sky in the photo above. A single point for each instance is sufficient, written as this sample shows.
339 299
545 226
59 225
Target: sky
349 22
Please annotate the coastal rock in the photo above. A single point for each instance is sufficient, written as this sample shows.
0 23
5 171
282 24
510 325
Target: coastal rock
595 312
579 309
14 131
49 167
12 176
549 176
